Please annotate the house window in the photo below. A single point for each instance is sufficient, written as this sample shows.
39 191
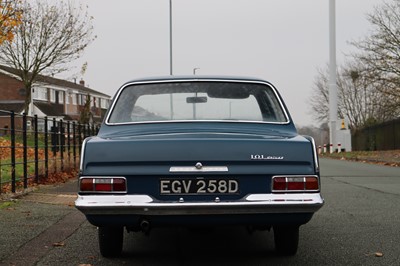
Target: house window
52 96
83 99
103 103
60 97
39 93
79 99
74 99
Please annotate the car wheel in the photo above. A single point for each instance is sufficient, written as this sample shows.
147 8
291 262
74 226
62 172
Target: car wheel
110 241
286 239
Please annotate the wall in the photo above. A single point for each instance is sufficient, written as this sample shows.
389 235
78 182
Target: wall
10 88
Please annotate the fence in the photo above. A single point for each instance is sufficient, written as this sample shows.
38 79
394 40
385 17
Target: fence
385 136
32 149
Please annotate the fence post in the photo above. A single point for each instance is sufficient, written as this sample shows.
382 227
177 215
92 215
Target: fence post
62 142
69 143
80 137
46 147
74 142
25 144
13 181
54 144
36 149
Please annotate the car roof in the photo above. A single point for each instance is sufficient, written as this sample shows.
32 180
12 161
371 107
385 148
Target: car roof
196 78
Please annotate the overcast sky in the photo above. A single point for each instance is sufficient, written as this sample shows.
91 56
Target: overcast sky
282 41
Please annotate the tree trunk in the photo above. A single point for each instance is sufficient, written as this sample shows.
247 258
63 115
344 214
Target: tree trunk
28 97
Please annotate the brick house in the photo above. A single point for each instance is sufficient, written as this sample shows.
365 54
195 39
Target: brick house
51 97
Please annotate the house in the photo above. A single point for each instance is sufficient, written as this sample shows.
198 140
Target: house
51 97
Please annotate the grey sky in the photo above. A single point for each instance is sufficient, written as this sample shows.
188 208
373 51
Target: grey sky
282 41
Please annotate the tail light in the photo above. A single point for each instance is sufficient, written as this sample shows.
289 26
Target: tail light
102 184
295 184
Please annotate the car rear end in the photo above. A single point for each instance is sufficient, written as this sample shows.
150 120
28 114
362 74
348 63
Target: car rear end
146 169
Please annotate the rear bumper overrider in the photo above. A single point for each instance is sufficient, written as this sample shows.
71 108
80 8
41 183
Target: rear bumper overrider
251 204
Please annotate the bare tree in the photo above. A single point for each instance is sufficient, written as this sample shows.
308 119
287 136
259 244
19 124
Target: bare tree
358 100
362 103
380 50
369 86
320 97
49 37
319 100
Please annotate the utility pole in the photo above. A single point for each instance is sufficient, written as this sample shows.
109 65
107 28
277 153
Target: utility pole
171 99
170 37
333 105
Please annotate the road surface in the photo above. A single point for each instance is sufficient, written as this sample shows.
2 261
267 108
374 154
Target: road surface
358 225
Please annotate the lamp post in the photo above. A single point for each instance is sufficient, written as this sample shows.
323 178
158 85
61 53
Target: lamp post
170 37
171 99
333 108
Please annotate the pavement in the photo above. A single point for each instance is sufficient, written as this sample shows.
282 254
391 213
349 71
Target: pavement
61 194
34 223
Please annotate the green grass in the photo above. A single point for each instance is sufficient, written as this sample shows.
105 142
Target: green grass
7 204
391 156
30 140
6 170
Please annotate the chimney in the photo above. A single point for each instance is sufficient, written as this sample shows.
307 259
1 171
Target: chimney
82 82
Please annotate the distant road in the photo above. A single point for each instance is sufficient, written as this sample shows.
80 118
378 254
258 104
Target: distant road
381 178
359 225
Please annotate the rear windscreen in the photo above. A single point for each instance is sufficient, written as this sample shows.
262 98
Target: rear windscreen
203 101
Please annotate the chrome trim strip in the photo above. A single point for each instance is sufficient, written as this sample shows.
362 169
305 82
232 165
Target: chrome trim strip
195 80
83 153
315 153
251 204
180 169
195 121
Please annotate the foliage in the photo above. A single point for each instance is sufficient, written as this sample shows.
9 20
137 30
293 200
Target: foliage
51 34
10 18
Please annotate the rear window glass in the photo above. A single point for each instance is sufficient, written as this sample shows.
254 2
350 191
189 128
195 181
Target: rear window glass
202 101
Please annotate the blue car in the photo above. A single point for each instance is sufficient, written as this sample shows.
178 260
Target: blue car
198 151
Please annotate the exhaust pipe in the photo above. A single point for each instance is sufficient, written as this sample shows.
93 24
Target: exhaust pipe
145 226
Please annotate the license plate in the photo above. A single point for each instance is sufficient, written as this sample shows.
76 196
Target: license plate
199 186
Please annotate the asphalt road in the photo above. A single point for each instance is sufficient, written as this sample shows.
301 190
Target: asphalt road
359 225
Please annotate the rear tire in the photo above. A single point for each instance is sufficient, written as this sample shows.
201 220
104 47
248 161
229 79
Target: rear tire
286 239
111 241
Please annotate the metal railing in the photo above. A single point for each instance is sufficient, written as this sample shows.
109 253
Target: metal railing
34 149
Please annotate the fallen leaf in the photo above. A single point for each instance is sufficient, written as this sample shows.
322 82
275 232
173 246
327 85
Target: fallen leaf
58 244
378 254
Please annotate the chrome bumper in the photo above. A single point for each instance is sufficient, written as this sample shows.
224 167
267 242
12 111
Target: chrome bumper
146 205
